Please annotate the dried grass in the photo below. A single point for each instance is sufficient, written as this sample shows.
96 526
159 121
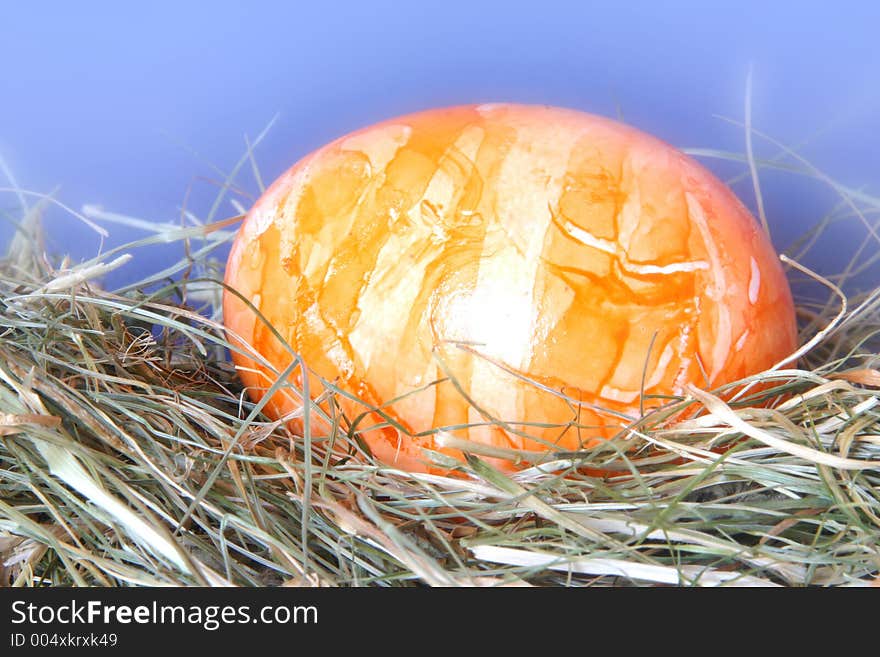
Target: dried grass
130 456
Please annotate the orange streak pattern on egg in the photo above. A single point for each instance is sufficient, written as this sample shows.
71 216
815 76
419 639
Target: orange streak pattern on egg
506 251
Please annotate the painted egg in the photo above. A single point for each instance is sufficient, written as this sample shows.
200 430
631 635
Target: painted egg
524 277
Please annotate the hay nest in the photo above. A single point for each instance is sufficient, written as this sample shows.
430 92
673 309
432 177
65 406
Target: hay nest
130 456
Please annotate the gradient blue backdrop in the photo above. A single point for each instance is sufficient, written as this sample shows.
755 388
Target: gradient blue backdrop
129 106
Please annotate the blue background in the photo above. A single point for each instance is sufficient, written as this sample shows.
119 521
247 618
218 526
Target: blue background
133 107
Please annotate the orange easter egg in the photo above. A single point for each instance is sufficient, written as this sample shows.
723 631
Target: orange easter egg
516 276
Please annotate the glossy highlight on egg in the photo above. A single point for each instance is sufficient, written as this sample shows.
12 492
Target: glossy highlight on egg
524 277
